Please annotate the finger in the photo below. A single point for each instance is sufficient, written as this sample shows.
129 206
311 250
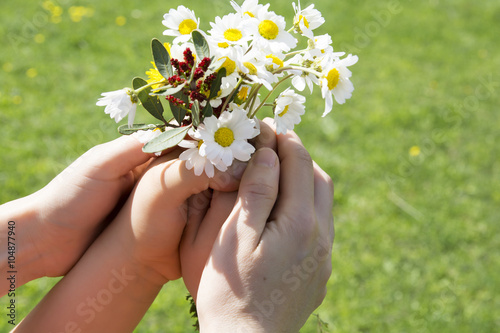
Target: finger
221 206
323 201
256 198
267 136
198 205
199 246
115 158
168 174
297 179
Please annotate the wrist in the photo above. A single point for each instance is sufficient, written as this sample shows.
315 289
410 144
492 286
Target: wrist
124 242
21 240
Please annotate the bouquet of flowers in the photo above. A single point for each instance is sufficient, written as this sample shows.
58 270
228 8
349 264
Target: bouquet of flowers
216 82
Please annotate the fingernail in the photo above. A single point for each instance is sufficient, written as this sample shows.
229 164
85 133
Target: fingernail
265 157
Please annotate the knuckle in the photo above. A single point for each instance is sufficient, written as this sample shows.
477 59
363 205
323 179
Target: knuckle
259 192
326 272
266 138
329 183
305 228
302 154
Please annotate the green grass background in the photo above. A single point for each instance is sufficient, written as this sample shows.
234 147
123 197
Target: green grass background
417 246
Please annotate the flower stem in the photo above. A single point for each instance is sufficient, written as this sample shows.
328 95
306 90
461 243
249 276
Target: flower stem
230 96
150 85
269 95
295 52
298 68
252 96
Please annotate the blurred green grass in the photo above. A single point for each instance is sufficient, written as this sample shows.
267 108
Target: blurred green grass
414 154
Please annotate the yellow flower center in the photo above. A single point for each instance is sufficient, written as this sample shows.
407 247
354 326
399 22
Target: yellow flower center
285 110
199 144
233 35
333 78
301 17
268 29
249 14
243 94
223 45
251 67
224 136
277 61
187 26
229 65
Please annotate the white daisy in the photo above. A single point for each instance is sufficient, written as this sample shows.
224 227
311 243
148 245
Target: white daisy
146 136
230 30
269 33
274 62
252 65
306 20
335 81
320 46
249 8
302 78
198 162
289 108
227 58
119 103
180 23
225 139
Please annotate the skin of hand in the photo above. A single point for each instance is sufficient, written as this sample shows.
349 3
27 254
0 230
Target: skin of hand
55 225
266 269
126 266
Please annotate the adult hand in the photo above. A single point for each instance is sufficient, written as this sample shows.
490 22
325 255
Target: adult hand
268 268
207 212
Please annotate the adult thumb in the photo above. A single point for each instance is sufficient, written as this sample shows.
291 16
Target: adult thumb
256 196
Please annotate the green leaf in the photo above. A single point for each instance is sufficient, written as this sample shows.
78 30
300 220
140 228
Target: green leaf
214 89
126 130
196 113
161 58
200 45
165 140
208 111
152 104
179 112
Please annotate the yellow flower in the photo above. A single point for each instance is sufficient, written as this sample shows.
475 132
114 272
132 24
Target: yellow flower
414 151
76 13
32 73
39 38
120 21
154 76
